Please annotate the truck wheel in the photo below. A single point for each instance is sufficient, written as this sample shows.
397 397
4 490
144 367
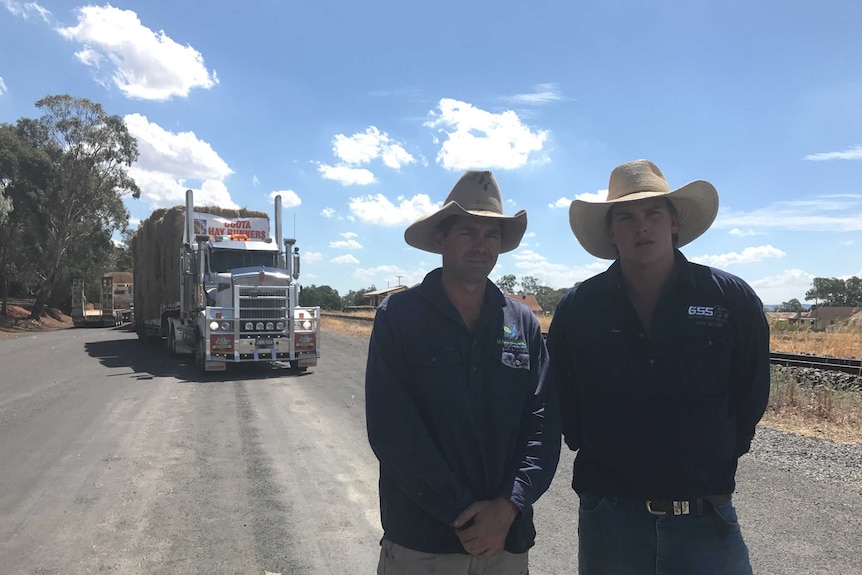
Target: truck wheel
200 356
172 341
294 365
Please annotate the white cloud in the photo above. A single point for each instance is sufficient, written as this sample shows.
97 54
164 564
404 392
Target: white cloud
854 153
345 259
289 198
312 257
747 256
789 284
168 160
748 232
255 181
346 175
828 213
541 94
394 156
327 212
180 153
597 196
27 9
358 148
380 211
362 148
348 235
475 138
2 86
384 276
163 190
530 235
143 64
593 197
556 276
345 245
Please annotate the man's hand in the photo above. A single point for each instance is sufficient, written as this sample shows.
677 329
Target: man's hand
482 527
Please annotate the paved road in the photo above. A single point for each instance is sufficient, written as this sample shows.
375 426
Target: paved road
115 458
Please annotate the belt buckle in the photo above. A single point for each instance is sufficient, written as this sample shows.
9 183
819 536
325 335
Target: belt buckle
679 508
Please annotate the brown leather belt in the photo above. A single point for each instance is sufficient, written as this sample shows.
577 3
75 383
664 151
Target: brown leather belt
699 506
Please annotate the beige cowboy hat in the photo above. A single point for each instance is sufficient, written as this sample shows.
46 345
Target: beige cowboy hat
475 194
696 205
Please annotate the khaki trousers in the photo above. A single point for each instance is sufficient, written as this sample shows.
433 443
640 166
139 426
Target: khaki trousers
398 560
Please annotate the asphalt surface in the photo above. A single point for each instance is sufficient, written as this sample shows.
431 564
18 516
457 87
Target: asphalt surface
116 458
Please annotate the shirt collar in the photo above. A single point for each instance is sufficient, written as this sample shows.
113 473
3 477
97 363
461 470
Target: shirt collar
431 289
682 267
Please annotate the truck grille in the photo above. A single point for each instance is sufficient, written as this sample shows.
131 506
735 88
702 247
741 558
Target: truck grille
262 302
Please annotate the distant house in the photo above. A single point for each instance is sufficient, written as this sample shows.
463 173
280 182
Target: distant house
825 318
528 300
788 316
375 298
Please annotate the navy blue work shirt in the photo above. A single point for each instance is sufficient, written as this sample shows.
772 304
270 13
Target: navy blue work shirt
665 414
457 417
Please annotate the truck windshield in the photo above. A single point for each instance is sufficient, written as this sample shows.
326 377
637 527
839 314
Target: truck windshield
227 260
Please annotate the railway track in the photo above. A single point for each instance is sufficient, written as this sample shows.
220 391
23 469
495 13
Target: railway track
849 365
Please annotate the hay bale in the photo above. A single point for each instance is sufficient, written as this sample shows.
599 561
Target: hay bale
156 248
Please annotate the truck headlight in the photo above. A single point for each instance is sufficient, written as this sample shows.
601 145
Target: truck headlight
306 325
249 326
225 326
280 326
259 326
270 326
213 326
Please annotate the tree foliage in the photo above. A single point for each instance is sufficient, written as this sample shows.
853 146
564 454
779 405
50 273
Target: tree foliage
507 283
24 172
76 200
836 292
793 305
323 296
354 297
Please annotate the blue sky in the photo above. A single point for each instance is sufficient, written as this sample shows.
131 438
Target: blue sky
364 114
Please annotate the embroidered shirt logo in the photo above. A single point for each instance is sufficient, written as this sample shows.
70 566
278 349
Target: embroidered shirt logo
709 315
515 353
512 340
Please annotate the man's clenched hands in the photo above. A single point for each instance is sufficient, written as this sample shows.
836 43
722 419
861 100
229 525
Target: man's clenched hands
482 527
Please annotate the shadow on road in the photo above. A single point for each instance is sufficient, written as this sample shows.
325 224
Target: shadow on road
149 361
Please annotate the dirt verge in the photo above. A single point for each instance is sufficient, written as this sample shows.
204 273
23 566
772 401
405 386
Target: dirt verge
17 320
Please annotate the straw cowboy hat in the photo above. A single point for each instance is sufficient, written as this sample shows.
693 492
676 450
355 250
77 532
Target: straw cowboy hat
475 194
696 205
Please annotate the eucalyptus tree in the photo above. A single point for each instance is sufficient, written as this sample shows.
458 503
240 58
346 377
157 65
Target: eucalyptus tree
90 153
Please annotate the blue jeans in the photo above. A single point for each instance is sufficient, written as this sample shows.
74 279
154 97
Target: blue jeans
620 537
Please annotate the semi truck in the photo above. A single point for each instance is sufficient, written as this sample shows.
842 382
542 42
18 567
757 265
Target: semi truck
212 282
114 306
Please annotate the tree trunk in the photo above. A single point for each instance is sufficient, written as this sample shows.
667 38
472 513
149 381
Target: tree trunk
4 288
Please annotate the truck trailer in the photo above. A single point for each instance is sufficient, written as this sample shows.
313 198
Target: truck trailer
213 282
115 303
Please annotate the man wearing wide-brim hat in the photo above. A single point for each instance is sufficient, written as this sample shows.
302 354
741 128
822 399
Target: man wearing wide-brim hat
459 407
662 368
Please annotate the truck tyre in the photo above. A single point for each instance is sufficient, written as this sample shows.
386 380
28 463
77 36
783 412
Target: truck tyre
172 341
294 365
200 356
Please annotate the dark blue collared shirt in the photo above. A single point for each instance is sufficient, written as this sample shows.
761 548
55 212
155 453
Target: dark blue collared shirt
663 415
457 417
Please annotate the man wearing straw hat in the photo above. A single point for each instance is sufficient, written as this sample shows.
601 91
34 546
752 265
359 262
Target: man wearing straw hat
459 406
662 368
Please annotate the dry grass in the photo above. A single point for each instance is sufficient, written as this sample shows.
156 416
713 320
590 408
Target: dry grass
346 326
847 344
816 411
